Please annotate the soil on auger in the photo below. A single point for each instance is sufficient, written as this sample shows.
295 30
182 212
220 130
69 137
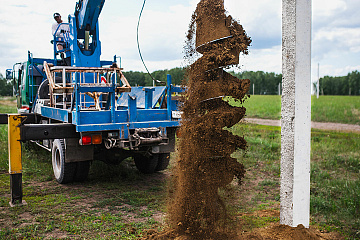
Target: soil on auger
204 163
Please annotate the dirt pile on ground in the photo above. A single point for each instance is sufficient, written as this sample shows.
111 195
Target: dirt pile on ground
283 232
273 232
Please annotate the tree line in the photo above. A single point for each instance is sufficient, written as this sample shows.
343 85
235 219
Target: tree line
136 78
345 85
261 83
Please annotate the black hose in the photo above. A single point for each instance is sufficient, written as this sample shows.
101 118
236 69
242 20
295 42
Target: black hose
137 39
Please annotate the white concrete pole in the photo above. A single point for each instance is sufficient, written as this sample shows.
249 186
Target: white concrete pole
318 82
296 113
279 89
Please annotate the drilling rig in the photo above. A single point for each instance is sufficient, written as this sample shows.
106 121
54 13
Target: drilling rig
83 109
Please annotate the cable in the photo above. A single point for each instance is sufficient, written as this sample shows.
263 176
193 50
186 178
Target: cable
137 39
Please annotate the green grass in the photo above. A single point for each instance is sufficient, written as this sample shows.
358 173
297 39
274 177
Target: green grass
342 109
117 202
335 189
7 105
339 109
263 106
335 171
104 207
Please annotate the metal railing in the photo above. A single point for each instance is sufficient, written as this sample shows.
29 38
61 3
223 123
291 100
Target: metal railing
85 88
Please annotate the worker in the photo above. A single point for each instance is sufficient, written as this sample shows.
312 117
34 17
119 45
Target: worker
59 31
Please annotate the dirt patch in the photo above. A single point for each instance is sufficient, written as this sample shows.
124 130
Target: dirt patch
8 101
58 234
274 231
59 211
27 220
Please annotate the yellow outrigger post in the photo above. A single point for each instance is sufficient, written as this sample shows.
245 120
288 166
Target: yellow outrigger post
15 164
21 128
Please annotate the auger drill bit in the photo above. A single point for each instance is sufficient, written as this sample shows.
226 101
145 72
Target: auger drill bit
205 163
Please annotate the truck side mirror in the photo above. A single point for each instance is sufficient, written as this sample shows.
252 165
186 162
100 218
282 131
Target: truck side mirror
9 73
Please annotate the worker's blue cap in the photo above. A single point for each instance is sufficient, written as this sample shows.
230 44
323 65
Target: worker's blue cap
57 15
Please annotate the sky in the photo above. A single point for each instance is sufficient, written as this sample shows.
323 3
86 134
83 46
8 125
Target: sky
26 25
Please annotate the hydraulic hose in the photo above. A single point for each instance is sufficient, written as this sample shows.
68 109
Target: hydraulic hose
138 45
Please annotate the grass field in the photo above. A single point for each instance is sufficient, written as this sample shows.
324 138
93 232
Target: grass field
339 109
117 202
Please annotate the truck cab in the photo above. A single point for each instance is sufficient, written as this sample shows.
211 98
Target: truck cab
26 78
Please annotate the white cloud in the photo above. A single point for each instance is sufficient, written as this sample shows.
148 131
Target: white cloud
161 37
261 20
268 60
327 40
26 25
336 37
328 8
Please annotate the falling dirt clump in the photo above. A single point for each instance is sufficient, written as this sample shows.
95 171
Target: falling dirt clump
205 164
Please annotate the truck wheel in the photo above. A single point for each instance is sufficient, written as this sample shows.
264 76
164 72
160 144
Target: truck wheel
43 90
146 164
64 172
163 162
82 171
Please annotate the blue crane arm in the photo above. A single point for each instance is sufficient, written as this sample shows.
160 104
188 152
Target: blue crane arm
87 13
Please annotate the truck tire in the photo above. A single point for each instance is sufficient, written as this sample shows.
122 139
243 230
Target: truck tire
63 172
146 164
163 161
82 171
43 90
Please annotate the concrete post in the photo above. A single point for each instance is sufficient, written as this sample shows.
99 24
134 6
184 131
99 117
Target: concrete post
296 113
279 89
318 82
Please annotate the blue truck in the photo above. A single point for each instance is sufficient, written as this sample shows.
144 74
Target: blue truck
83 109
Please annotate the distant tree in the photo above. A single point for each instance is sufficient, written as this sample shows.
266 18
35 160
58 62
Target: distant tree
354 83
135 78
265 83
5 87
344 85
178 75
144 79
